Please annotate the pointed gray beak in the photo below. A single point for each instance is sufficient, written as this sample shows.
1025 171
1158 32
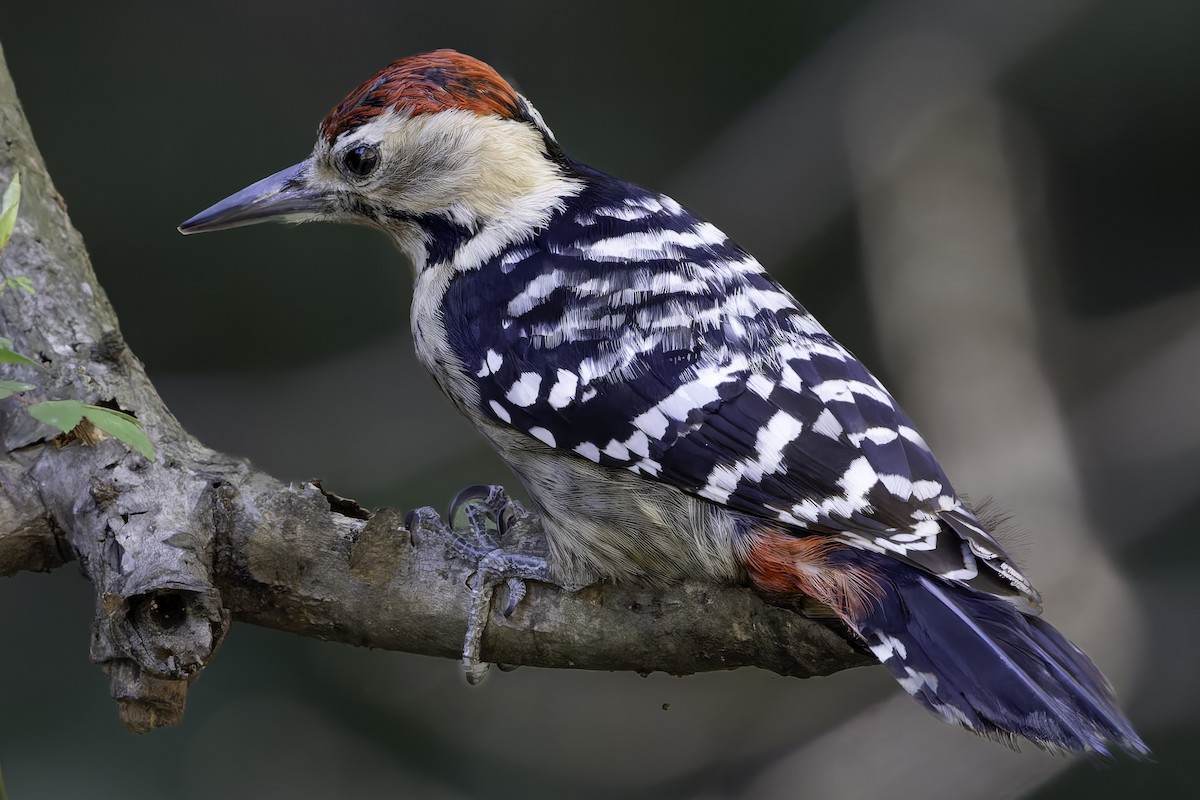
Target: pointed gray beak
283 197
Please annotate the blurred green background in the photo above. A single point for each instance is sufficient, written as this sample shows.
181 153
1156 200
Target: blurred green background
291 348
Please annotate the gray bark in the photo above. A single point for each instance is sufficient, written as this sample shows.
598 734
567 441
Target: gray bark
179 547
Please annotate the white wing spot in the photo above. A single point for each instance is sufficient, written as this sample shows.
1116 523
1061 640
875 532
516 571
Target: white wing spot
916 680
889 646
791 379
913 436
878 435
842 391
858 479
491 363
897 485
616 450
760 386
653 423
563 391
772 439
639 444
524 391
588 451
500 411
827 425
700 390
650 466
924 490
543 435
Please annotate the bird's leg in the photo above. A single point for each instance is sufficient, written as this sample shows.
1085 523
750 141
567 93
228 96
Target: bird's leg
494 565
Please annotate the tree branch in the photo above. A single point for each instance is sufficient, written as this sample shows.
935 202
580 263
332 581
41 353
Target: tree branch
178 547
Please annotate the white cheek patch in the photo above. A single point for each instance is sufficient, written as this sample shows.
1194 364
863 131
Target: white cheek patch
486 174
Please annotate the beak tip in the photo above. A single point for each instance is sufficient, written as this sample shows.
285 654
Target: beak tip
276 197
200 223
197 223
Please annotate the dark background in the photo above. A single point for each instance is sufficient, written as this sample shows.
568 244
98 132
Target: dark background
290 347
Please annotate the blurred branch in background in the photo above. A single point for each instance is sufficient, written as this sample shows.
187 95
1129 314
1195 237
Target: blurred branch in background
1148 417
941 168
788 153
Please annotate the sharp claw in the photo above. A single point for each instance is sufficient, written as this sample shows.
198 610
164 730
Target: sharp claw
507 517
516 593
419 519
470 494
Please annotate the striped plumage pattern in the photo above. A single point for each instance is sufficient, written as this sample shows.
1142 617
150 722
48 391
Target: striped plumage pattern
672 411
635 335
630 333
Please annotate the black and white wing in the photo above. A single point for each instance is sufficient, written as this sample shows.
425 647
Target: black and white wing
637 336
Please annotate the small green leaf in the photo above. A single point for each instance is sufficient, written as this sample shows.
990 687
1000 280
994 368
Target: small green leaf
8 388
8 356
61 414
122 426
12 195
18 282
9 204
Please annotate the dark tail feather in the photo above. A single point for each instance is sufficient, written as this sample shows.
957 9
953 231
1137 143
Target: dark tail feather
975 660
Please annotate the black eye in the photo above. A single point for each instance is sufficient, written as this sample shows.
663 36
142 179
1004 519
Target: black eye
361 161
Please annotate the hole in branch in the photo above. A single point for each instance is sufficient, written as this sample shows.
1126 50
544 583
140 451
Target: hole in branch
167 610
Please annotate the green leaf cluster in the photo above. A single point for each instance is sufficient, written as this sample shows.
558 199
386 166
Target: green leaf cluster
66 415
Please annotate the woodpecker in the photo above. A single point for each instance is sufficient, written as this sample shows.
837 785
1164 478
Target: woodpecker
673 412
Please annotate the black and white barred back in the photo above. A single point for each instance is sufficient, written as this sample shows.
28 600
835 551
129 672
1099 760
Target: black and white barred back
633 334
671 409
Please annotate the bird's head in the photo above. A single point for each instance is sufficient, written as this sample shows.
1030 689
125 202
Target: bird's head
433 147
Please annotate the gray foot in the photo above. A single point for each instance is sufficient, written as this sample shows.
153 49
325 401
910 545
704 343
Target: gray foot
482 544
